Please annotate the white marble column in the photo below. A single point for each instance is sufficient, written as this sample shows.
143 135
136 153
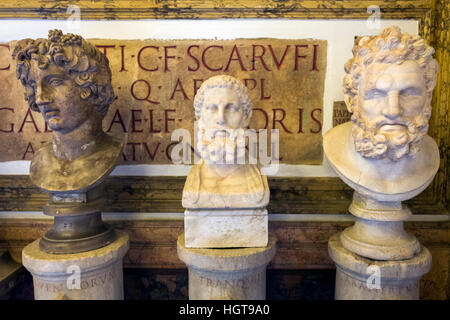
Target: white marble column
360 278
91 275
378 247
227 274
378 231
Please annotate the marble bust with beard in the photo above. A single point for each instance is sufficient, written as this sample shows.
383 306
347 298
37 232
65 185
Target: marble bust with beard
223 110
384 153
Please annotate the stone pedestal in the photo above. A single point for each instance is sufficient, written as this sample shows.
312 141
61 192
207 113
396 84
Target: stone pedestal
227 274
90 275
359 278
378 230
226 228
77 224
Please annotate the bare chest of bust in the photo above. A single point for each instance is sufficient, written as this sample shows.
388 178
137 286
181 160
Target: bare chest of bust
239 187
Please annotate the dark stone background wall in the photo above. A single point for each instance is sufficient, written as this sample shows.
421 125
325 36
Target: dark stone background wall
151 284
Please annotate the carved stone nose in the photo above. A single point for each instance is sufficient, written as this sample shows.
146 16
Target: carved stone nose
41 98
392 109
220 115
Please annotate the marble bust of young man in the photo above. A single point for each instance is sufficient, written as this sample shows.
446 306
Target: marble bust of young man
68 81
384 153
222 108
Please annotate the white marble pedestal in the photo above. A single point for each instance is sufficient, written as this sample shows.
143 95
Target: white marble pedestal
378 231
55 276
227 274
359 278
226 228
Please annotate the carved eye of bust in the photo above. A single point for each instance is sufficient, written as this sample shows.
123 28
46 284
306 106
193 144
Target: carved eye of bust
374 94
54 82
232 107
411 91
211 107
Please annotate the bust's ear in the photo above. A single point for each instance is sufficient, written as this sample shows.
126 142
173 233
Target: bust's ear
246 118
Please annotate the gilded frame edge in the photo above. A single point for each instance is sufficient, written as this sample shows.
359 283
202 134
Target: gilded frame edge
215 9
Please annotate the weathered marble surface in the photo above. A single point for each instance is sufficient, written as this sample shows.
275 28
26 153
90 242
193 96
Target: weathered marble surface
101 271
225 195
386 156
385 152
380 179
224 178
378 231
398 280
227 274
243 188
226 228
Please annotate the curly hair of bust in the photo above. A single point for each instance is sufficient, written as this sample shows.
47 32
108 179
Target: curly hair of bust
390 46
80 60
223 81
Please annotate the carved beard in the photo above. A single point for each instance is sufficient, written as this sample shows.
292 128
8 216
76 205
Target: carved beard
220 148
371 143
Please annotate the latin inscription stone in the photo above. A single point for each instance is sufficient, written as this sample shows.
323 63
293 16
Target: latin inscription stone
156 80
340 113
242 283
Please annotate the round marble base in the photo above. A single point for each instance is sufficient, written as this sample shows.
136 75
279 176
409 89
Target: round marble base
91 275
227 274
359 278
380 240
378 231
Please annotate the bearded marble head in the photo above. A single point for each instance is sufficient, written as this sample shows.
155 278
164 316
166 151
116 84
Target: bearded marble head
223 110
388 89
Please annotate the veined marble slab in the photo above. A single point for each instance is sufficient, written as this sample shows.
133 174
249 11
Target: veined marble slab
230 228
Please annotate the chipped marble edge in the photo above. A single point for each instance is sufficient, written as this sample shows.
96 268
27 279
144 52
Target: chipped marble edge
360 267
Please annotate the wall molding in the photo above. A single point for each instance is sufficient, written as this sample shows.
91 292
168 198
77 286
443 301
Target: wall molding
293 195
301 244
214 9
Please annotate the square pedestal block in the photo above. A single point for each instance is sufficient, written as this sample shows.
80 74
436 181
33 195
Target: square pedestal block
227 228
